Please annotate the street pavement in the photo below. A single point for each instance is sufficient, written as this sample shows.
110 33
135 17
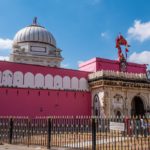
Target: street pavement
20 147
23 147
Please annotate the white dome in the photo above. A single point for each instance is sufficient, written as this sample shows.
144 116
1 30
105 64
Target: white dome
34 33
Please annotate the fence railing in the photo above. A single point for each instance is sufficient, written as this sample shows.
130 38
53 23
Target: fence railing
81 132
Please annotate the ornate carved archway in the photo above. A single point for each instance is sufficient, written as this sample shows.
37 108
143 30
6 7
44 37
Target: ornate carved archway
137 106
96 105
117 105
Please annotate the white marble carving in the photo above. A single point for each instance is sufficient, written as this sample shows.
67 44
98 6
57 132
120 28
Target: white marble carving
49 81
83 85
39 80
18 79
66 82
58 82
7 78
29 80
117 74
74 83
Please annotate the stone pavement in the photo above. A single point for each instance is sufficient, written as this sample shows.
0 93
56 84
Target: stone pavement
23 147
20 147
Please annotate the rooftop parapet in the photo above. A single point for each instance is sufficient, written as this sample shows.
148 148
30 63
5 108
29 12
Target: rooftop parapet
118 75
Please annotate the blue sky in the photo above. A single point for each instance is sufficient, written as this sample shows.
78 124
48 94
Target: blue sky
83 29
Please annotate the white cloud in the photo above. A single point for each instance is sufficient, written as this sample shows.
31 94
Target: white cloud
140 31
142 57
5 44
104 35
4 58
65 65
80 61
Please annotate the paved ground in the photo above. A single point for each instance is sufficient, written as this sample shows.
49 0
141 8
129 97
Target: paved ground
19 147
22 147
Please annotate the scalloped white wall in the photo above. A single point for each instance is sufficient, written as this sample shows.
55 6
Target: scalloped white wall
29 80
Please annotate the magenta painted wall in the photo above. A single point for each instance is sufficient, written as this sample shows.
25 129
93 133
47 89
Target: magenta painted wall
89 65
24 68
136 68
24 102
36 102
96 64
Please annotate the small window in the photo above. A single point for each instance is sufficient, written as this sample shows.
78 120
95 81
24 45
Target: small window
38 49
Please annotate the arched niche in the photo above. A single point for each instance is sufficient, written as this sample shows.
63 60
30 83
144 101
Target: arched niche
96 105
137 106
66 82
118 101
7 78
58 82
75 83
39 80
83 84
49 81
18 79
29 80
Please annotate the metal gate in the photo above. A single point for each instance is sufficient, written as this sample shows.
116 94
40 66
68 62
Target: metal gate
80 132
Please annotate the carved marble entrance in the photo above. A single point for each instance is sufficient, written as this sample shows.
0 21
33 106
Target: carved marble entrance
137 106
96 106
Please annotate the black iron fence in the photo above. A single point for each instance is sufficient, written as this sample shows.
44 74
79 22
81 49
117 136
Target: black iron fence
91 133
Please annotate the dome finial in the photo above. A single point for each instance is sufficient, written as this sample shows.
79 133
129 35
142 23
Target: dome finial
35 21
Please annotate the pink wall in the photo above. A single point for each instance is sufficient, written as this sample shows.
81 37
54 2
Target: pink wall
136 68
31 102
106 64
96 64
89 65
24 68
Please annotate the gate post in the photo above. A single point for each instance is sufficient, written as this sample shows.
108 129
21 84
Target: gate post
93 133
10 130
49 134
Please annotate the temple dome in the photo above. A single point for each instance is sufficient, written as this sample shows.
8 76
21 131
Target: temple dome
34 33
35 45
